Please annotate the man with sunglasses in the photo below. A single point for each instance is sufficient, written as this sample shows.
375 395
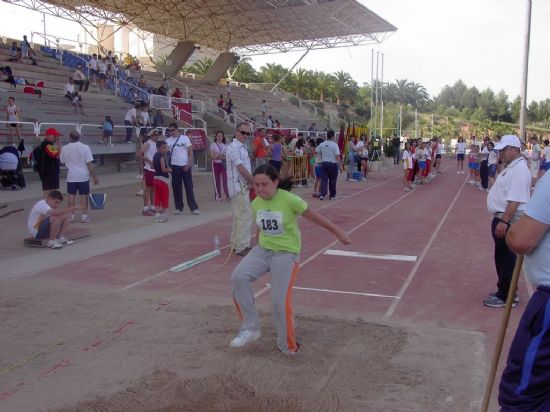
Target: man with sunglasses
181 162
506 201
239 180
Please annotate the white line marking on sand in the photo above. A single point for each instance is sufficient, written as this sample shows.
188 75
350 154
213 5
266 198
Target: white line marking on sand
402 258
343 292
414 269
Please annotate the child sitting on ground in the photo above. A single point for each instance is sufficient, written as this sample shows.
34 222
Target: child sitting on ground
48 221
162 181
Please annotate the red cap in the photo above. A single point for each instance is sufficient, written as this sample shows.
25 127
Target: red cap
52 132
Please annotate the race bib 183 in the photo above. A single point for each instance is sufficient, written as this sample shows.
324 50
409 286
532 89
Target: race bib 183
270 223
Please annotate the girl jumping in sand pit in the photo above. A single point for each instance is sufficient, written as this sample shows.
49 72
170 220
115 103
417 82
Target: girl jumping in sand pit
275 211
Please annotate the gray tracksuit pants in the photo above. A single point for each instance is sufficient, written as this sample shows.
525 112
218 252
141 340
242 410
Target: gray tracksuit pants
283 267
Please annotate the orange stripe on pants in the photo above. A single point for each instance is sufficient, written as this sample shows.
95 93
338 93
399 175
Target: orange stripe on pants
290 331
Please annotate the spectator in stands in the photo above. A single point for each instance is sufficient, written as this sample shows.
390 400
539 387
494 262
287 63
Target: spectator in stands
330 159
26 51
77 103
221 103
130 120
109 56
6 71
277 124
107 131
158 120
80 79
69 89
239 179
144 121
270 124
48 221
13 115
94 73
142 83
229 110
102 69
177 94
79 161
48 162
312 128
181 163
218 150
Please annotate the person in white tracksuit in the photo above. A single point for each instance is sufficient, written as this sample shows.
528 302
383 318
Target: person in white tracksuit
275 212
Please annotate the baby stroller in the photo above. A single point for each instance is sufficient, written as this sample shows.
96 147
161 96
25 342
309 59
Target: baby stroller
11 174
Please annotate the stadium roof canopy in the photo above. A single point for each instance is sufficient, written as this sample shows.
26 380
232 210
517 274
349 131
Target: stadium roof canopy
243 26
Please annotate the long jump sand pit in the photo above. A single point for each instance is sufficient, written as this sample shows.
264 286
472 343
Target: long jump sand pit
173 355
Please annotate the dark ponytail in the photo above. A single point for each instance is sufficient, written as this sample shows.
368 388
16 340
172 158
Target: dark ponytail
273 174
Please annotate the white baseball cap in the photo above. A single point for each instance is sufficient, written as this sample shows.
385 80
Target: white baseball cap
508 140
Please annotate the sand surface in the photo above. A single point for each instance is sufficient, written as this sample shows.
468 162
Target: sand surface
97 351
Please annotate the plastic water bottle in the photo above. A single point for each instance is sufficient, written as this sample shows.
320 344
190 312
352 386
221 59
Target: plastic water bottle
216 243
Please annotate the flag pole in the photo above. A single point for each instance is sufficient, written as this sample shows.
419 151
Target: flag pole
381 105
371 91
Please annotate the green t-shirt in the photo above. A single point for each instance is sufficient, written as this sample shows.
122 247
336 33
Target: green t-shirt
276 219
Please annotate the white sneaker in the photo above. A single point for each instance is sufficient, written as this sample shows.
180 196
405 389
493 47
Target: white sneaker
244 337
72 218
86 219
458 172
156 218
64 241
139 192
54 244
196 212
138 177
178 212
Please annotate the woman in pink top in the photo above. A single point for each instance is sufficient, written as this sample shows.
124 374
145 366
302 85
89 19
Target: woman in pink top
217 152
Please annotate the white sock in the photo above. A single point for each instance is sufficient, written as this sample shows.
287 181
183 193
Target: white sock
145 208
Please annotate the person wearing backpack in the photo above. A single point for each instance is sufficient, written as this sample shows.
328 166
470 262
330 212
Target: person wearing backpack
46 161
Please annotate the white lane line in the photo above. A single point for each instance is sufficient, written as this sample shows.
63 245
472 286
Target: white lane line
414 269
343 292
349 253
320 251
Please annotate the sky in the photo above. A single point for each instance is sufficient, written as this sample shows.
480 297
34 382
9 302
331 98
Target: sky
437 43
441 41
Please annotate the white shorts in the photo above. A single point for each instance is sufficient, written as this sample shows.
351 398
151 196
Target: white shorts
534 167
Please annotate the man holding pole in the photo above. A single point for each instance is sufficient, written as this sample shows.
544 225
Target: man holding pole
505 202
525 383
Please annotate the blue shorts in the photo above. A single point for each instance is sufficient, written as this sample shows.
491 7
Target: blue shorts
83 188
318 171
473 165
460 156
102 76
422 165
492 170
44 229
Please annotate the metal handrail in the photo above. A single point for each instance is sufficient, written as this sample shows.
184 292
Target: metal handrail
117 80
193 118
34 125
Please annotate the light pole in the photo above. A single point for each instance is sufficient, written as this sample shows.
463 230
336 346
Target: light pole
523 109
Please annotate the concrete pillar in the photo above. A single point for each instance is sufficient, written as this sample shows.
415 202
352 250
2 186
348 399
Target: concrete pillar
179 56
219 68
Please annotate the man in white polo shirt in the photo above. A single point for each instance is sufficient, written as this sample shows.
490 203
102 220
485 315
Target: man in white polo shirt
505 202
239 180
330 162
181 155
130 120
78 159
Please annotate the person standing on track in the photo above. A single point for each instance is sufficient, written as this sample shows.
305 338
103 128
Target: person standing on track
460 152
525 382
181 163
505 202
239 182
330 160
279 242
535 159
145 155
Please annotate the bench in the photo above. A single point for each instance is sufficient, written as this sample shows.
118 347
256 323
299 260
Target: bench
72 234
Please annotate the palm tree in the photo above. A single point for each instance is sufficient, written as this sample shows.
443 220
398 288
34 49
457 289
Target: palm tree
418 95
345 87
199 67
272 72
324 84
403 88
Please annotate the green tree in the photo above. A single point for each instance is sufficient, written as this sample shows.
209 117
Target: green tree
502 106
272 72
199 67
487 103
516 107
324 85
